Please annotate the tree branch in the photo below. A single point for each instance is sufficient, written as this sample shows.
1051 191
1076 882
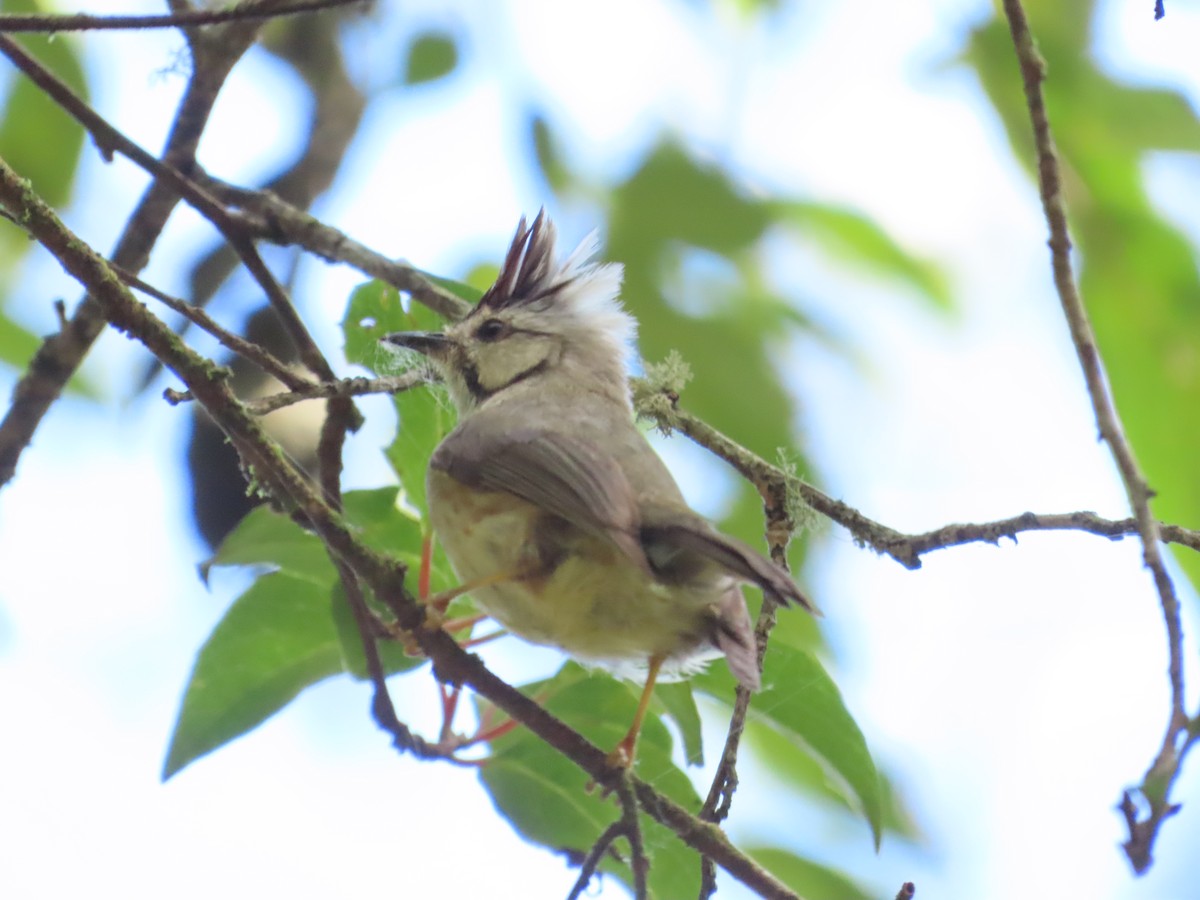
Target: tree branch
255 353
906 549
12 23
269 218
1156 784
60 355
385 576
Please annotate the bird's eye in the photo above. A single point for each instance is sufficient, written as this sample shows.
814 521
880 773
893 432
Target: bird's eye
491 330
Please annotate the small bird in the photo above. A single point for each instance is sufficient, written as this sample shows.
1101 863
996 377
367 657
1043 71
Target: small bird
554 510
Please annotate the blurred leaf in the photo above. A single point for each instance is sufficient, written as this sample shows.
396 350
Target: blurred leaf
545 796
680 705
1104 131
431 56
463 291
802 703
39 140
672 199
17 345
264 537
777 751
811 880
861 242
276 639
548 155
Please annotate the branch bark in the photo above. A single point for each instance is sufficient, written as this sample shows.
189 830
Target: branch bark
385 576
1156 785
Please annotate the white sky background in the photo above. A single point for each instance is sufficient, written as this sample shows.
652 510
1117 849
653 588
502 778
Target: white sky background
1014 690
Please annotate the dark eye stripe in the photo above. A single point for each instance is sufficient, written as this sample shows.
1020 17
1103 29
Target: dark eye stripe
471 378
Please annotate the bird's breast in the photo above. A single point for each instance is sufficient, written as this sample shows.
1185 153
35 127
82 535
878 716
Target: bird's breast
570 590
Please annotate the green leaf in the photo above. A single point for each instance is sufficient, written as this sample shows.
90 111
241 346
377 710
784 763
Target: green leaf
17 344
39 140
811 880
266 538
861 242
431 56
548 154
546 797
391 653
801 702
463 290
680 705
426 416
276 639
1105 131
777 753
373 311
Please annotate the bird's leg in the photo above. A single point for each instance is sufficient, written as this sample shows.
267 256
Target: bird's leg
436 609
426 570
623 754
439 601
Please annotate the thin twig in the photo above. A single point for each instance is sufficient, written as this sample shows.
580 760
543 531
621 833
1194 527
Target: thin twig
343 387
587 869
310 354
208 206
255 353
779 528
906 549
243 12
270 218
385 576
632 829
1156 784
61 354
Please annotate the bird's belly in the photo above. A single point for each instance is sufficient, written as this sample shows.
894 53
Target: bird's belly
593 602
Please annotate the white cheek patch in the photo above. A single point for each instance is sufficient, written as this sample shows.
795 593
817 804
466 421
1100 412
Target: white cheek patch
499 365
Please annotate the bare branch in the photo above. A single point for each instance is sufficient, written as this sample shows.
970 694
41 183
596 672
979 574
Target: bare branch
385 576
255 353
1162 773
346 387
906 549
242 12
270 218
61 354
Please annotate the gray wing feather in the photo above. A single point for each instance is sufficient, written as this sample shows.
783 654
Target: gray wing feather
739 559
557 472
734 635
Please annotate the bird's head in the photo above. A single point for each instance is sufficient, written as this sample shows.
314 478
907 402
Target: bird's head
544 323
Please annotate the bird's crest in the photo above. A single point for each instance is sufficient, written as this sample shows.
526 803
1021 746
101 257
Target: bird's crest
576 289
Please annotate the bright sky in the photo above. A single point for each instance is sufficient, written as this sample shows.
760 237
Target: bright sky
1013 690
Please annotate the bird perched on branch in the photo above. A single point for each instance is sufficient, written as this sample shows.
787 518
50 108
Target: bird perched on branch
553 508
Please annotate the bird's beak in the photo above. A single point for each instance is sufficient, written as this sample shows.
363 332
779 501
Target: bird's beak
430 343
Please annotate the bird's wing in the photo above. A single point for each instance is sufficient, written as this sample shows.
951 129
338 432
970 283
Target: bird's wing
555 471
694 535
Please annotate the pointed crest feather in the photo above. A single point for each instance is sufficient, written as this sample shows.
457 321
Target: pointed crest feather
578 288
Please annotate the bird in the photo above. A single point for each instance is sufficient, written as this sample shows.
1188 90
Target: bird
556 513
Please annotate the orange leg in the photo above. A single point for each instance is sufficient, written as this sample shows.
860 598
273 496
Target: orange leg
441 600
426 566
623 754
